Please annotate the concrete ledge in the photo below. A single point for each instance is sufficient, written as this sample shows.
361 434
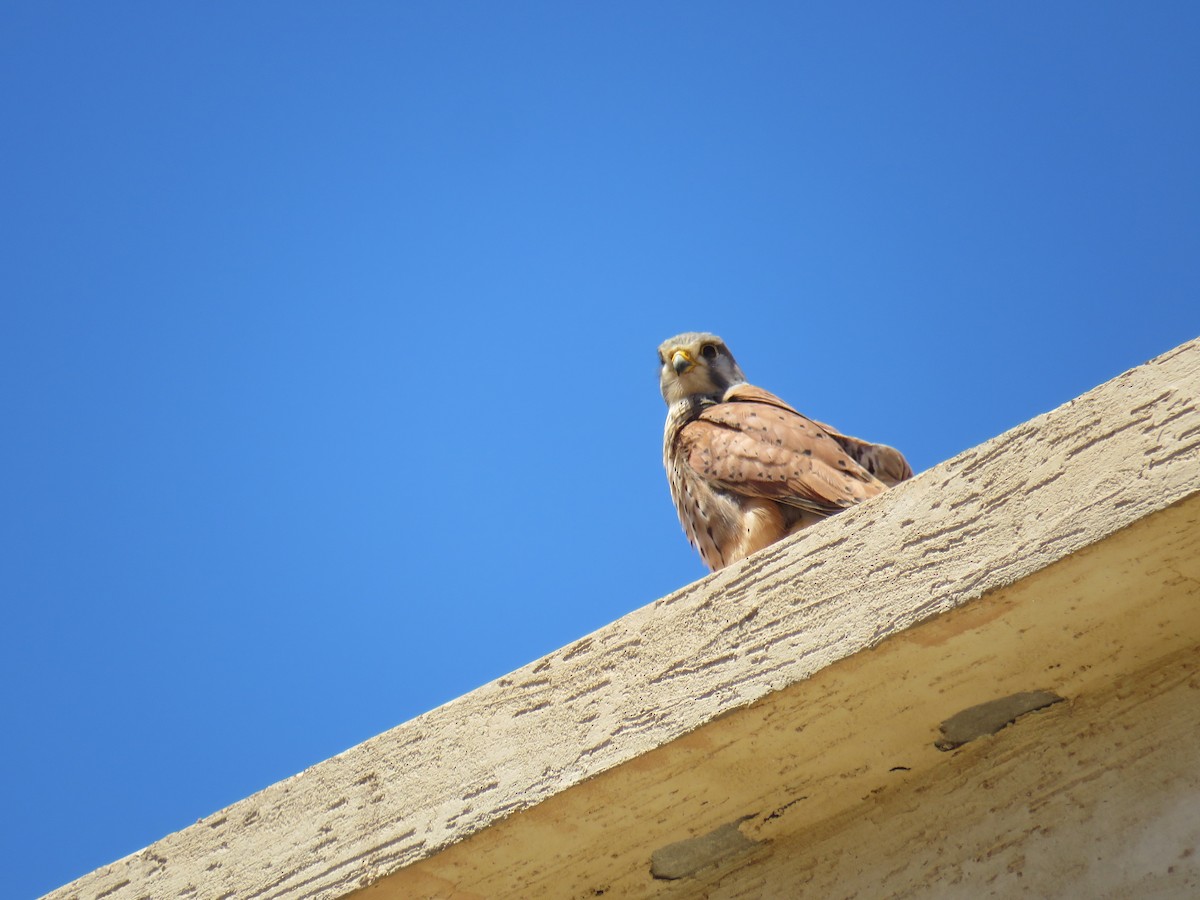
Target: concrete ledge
781 715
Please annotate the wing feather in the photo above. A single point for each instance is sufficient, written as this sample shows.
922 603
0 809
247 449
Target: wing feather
885 463
754 444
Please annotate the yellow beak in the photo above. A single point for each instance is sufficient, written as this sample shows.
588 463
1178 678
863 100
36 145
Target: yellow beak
681 361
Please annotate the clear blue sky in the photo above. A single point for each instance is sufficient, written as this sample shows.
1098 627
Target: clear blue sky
327 336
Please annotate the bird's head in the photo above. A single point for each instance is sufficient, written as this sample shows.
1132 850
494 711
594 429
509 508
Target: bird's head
696 365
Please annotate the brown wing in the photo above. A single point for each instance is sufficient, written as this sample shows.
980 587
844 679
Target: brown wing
885 463
754 444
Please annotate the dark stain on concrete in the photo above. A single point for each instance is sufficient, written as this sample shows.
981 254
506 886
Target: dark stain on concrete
990 717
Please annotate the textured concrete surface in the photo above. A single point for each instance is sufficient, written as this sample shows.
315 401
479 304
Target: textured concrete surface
796 698
838 780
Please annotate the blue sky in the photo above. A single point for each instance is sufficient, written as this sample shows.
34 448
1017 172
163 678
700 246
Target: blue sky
327 340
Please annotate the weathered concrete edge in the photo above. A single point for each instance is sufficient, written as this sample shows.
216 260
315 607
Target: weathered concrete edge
985 519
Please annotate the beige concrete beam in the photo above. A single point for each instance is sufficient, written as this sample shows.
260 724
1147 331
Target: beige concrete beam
780 707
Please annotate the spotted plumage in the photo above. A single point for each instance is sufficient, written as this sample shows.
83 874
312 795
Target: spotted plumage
746 469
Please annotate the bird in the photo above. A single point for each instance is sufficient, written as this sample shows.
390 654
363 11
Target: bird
745 468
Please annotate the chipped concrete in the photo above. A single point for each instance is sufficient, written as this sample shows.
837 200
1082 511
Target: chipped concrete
800 693
689 856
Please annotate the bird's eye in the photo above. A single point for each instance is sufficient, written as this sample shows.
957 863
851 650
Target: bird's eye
709 351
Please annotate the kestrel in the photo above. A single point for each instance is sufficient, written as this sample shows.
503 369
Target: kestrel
745 468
